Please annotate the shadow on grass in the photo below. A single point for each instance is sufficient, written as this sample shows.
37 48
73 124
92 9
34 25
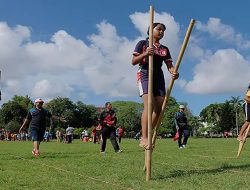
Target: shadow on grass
184 173
58 155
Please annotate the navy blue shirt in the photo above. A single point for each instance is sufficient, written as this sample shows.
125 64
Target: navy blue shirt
37 117
161 54
181 119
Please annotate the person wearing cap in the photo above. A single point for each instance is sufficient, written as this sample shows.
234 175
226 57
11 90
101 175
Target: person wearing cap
108 122
36 117
246 107
181 125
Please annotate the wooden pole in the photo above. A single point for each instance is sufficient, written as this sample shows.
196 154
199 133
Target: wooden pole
171 83
150 97
241 145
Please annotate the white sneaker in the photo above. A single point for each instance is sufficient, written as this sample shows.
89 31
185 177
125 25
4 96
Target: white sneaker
180 147
183 146
119 151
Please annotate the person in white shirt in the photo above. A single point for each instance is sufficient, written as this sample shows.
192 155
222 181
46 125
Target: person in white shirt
69 134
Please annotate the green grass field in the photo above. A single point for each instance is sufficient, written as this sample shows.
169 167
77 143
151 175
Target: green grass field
204 164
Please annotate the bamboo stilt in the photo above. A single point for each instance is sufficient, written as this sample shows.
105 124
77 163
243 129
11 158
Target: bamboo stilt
150 97
145 163
241 145
171 83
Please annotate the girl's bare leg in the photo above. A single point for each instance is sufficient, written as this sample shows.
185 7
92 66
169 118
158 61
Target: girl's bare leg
242 130
157 103
144 121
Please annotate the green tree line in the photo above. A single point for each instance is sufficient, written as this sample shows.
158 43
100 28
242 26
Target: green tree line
214 118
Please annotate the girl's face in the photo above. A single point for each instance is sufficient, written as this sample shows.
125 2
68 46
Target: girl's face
109 107
158 31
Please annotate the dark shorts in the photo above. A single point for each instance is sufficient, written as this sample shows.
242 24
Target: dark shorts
246 107
37 134
158 85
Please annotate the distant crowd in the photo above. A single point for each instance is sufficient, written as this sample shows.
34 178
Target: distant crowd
8 136
62 136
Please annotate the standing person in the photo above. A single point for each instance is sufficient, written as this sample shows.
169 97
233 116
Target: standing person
69 134
94 134
160 54
98 132
1 132
182 127
85 135
246 107
138 135
58 135
46 136
108 121
119 134
37 119
64 137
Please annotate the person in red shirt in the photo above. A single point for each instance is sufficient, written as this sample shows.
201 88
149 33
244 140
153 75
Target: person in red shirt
108 121
119 134
94 134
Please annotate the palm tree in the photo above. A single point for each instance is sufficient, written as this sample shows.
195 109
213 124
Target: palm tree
237 104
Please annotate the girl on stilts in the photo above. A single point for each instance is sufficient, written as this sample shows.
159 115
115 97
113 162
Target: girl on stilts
160 54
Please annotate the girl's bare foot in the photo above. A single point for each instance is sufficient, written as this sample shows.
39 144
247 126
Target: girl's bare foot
240 138
144 143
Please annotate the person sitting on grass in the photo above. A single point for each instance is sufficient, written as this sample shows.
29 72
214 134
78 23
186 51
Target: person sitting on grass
36 117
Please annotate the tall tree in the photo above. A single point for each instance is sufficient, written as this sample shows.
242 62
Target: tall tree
226 121
167 125
61 107
194 125
237 104
85 115
14 111
211 115
129 115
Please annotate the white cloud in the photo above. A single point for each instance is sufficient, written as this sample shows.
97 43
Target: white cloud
66 66
171 38
45 88
14 85
224 32
226 71
218 70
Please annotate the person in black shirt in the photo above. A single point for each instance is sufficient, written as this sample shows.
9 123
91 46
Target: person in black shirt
37 119
182 127
108 121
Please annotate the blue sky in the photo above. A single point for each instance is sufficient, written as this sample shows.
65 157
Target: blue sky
83 49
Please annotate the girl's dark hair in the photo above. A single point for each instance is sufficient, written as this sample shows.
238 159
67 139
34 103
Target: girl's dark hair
107 103
155 24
